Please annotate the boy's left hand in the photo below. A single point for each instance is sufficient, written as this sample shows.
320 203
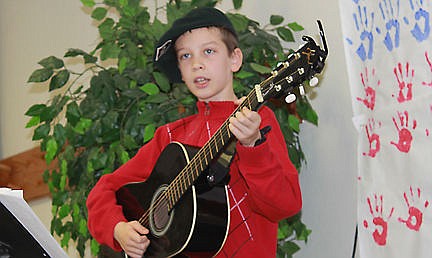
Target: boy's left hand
245 126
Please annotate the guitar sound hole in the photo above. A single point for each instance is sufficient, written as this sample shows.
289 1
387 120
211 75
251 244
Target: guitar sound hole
160 216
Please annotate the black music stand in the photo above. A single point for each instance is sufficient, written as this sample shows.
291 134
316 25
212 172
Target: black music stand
22 234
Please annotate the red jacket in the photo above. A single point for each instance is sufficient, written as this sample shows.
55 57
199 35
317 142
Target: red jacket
263 188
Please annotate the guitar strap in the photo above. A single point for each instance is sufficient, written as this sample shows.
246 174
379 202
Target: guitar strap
218 173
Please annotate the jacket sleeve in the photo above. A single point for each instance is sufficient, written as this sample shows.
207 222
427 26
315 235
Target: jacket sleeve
270 176
103 211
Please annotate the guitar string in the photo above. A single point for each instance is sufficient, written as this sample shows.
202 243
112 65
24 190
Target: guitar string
173 187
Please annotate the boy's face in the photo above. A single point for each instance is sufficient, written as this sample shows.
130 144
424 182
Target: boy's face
206 65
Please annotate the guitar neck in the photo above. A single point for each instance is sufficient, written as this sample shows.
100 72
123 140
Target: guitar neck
209 151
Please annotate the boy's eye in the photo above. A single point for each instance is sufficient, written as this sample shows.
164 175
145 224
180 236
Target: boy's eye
184 56
209 51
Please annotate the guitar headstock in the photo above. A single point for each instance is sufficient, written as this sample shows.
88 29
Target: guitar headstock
300 66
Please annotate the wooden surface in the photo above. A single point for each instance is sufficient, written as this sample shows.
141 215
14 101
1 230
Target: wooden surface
24 171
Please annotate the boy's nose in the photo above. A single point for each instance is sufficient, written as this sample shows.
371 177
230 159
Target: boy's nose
198 65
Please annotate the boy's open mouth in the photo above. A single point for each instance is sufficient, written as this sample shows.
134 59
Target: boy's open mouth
201 81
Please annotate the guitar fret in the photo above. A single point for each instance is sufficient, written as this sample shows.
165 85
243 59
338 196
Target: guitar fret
211 154
201 163
188 178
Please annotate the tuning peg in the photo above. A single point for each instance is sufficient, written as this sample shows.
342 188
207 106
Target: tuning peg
302 90
290 98
313 81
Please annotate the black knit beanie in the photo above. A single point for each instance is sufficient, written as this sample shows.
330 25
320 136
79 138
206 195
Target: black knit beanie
165 57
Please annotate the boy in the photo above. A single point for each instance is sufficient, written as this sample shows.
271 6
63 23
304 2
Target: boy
201 49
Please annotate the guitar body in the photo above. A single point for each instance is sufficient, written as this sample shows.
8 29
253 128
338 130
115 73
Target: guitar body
197 223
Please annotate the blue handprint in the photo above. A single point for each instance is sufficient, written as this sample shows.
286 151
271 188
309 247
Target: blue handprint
390 14
364 25
419 14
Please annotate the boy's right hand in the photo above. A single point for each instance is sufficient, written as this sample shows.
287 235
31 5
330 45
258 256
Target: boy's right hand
132 238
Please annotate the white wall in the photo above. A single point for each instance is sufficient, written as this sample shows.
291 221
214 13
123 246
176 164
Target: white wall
32 30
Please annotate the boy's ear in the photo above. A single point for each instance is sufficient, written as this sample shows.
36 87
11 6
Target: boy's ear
236 59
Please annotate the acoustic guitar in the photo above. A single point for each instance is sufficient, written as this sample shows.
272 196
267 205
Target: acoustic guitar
186 211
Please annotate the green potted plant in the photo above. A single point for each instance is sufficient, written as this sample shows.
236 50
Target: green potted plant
93 127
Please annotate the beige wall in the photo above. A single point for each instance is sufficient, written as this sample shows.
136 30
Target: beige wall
32 30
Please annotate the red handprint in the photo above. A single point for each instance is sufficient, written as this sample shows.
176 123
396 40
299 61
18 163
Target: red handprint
430 66
374 139
415 215
370 92
404 78
380 237
405 136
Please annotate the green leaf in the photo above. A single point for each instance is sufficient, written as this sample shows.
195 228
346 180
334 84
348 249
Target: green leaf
122 64
129 142
51 62
260 68
41 132
48 114
109 50
276 19
240 22
306 111
188 100
162 81
75 211
82 125
88 3
59 80
285 34
150 88
59 134
35 110
51 150
94 247
35 120
99 13
124 156
40 75
295 26
73 52
311 116
63 167
157 99
66 236
294 123
64 211
290 247
237 4
244 74
83 227
72 113
63 180
149 131
106 29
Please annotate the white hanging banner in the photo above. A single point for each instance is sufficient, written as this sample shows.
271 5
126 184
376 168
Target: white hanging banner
388 50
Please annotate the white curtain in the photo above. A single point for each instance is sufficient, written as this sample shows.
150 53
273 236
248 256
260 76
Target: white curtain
388 50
